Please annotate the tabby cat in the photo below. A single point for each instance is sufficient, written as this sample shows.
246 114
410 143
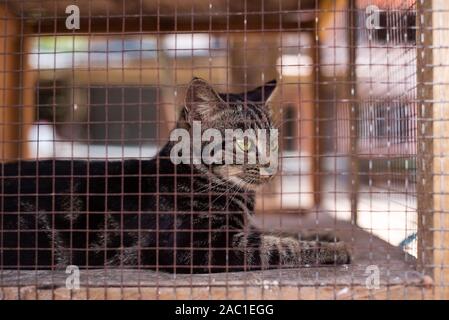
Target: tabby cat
152 213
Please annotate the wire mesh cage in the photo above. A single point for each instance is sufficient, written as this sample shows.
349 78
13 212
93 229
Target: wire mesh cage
102 197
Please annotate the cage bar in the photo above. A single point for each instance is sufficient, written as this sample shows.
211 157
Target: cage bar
361 104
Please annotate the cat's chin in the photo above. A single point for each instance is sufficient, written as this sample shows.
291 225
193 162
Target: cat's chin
233 175
249 186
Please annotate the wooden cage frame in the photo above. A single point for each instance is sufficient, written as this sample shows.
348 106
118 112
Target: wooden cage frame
17 104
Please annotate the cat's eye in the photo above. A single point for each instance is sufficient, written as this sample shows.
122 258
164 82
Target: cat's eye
244 145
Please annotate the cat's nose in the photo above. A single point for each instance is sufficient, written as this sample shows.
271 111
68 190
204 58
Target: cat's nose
266 171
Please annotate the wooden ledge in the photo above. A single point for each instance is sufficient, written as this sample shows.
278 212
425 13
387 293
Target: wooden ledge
398 278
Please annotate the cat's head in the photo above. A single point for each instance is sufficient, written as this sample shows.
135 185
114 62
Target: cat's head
247 152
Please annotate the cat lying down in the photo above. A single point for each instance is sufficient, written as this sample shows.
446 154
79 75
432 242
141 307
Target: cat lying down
182 213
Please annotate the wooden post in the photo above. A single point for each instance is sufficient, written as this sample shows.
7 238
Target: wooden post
433 142
318 109
336 92
441 146
29 79
354 110
9 85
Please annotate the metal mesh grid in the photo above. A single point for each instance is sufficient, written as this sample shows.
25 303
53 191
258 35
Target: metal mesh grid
357 144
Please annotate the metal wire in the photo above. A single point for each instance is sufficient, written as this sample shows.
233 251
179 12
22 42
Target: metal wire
348 104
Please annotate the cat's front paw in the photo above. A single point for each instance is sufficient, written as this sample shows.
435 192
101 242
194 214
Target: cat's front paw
335 253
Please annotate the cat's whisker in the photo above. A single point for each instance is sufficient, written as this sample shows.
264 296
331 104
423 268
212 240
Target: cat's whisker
236 191
213 185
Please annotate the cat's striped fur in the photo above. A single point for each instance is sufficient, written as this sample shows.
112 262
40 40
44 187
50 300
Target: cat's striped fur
150 213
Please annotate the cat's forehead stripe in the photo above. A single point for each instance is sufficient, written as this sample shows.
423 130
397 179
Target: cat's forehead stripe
259 116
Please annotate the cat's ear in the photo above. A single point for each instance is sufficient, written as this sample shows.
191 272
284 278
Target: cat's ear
202 102
262 93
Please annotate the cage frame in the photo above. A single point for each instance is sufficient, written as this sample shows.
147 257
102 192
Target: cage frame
433 34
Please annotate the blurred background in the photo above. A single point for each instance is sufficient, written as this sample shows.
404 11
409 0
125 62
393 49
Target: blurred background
346 101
